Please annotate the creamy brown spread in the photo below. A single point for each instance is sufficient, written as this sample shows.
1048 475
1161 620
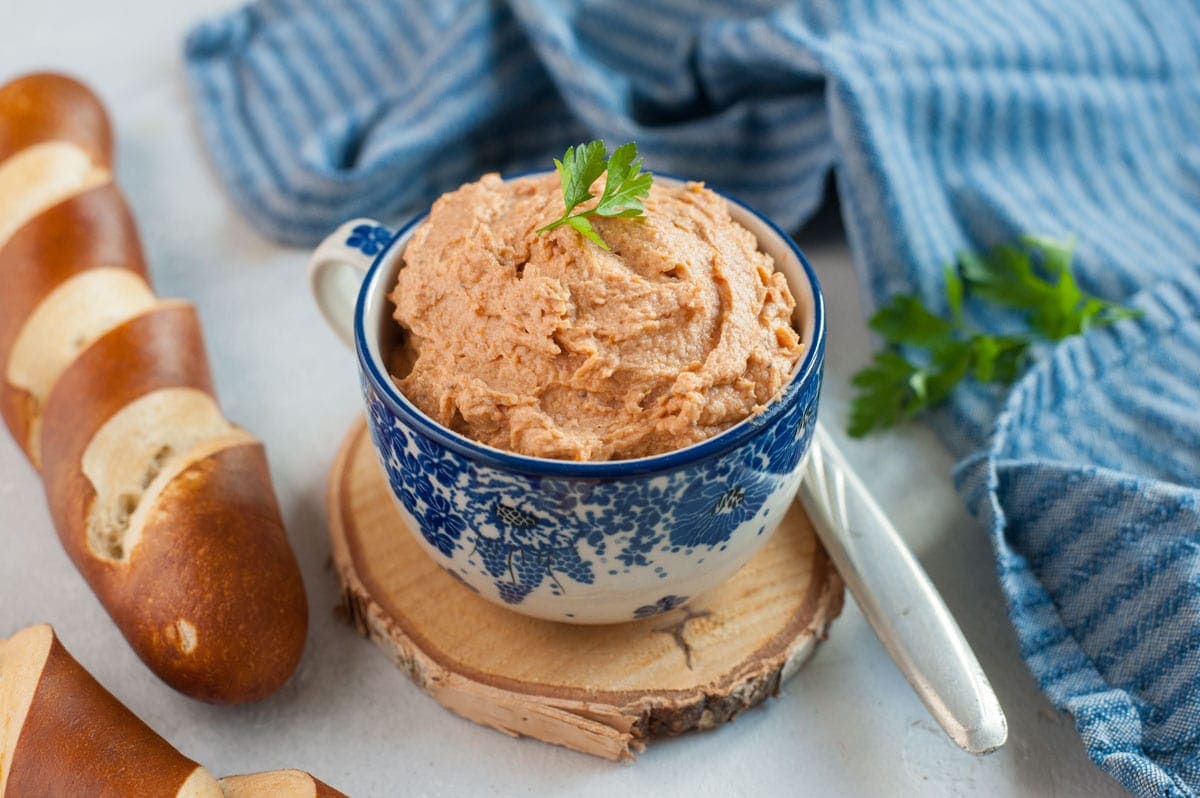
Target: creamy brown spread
552 347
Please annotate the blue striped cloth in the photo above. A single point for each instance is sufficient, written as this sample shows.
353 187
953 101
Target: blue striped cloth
947 125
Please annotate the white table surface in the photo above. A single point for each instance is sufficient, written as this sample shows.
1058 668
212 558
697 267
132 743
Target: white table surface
846 725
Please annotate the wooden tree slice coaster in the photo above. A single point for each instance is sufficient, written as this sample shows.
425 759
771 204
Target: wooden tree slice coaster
603 690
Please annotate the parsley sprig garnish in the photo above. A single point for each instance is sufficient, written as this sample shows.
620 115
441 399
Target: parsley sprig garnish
1033 276
624 186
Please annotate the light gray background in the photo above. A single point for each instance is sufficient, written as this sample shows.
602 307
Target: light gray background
847 725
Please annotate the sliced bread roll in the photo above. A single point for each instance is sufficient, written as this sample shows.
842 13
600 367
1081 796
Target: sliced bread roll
165 506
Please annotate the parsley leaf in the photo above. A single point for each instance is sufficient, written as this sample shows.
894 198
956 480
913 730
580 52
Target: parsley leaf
905 320
894 389
885 394
624 186
1036 277
1033 276
577 170
581 224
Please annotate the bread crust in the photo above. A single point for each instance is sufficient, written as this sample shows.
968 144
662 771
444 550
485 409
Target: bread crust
235 583
161 348
211 597
63 734
76 738
87 231
182 538
45 106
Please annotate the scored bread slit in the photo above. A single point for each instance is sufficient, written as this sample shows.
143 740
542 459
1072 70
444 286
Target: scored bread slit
82 338
200 784
138 452
32 181
68 320
24 660
40 176
292 783
22 657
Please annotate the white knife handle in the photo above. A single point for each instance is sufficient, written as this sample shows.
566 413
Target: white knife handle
899 601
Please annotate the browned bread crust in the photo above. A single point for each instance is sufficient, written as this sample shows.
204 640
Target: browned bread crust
165 507
87 231
235 582
49 107
158 349
63 734
211 552
73 737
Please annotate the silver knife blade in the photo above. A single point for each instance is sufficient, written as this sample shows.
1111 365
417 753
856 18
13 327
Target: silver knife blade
899 601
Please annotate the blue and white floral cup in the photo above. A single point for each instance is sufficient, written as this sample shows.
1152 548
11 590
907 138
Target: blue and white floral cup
591 542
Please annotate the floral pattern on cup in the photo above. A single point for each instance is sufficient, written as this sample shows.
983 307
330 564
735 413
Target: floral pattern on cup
517 535
712 510
664 604
369 239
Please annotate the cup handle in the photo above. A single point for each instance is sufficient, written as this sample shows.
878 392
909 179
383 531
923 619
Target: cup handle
337 268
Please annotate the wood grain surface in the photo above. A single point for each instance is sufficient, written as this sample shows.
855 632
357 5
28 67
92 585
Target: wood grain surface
603 690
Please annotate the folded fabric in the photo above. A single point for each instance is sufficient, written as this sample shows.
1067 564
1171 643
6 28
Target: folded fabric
947 125
319 110
1088 488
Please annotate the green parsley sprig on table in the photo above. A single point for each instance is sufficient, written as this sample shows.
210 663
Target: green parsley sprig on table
624 186
1033 276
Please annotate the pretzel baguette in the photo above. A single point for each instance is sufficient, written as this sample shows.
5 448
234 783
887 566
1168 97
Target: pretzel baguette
165 507
62 733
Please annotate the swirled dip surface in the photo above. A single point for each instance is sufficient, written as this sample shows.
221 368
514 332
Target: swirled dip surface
552 347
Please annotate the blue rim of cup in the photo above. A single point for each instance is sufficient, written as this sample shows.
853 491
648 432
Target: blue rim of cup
731 438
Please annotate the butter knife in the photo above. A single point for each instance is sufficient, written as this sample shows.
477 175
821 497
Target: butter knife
899 601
